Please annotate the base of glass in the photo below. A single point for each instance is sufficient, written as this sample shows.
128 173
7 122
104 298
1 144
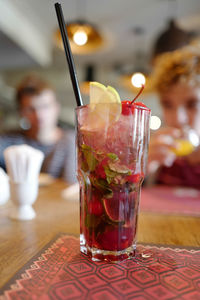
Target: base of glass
106 255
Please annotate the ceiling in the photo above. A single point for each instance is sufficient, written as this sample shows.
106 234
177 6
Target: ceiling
27 28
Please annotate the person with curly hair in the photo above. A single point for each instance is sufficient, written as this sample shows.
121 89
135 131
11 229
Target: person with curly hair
177 81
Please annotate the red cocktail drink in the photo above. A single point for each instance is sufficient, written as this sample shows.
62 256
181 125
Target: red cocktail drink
112 157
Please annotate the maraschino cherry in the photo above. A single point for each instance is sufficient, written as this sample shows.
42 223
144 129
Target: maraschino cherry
129 106
126 107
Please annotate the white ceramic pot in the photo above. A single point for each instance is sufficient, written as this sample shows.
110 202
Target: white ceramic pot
23 195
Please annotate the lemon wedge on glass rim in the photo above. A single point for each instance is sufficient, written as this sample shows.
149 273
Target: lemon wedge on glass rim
99 93
105 106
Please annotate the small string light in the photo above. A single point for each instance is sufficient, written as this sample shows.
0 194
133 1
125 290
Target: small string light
155 123
138 79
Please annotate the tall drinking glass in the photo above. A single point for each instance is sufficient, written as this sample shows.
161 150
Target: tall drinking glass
111 163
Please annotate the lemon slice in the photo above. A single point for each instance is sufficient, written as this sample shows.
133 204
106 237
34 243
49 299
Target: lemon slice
103 115
105 104
99 93
104 108
113 94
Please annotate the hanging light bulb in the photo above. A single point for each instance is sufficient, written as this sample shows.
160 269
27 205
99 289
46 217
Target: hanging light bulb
80 37
138 79
84 37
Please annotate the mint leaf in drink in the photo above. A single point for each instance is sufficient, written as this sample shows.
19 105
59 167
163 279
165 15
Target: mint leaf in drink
84 166
113 156
118 168
110 175
115 172
102 186
89 157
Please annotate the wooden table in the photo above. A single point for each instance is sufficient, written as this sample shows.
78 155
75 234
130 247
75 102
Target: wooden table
20 241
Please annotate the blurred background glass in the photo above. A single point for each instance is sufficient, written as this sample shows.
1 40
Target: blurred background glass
111 40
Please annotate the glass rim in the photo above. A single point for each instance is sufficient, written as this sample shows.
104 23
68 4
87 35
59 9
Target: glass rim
136 107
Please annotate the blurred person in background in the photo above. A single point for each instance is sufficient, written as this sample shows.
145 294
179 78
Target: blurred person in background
174 154
39 112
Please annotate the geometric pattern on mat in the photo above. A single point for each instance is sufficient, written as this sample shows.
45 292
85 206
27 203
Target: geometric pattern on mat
60 272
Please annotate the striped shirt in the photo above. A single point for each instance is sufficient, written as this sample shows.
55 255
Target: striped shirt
59 158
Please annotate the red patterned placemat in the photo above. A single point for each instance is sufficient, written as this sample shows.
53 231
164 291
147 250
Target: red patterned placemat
60 272
168 200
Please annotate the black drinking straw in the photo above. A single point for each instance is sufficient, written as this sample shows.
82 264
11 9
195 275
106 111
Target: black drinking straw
68 53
